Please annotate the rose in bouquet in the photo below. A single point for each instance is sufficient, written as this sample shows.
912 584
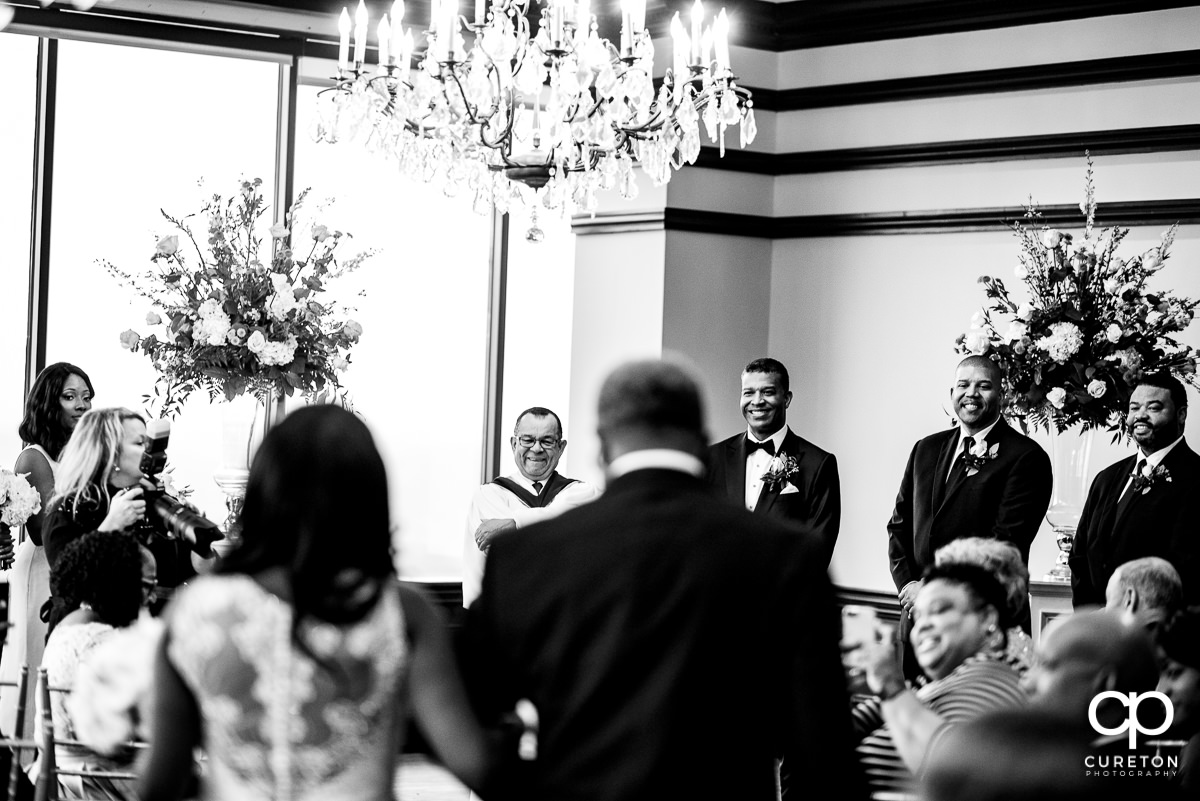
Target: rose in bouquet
236 322
1090 329
18 502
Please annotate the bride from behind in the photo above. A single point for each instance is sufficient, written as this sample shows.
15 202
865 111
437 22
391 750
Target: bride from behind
295 664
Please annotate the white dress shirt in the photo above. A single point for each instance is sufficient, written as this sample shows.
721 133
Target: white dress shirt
658 458
756 465
1152 461
977 438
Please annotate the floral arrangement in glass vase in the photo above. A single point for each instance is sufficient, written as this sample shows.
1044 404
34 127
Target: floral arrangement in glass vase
1090 329
237 323
18 502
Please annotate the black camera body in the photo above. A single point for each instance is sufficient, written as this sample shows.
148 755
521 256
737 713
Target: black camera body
167 516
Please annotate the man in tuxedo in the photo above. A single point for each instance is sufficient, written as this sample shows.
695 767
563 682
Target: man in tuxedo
979 479
1145 505
671 642
535 492
807 493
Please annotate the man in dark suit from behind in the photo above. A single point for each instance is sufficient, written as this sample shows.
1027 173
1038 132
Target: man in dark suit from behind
810 496
672 643
979 479
1147 504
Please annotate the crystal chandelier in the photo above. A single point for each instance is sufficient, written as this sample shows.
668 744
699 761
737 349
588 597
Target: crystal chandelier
562 113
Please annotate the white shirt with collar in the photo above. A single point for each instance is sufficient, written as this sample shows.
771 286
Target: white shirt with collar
976 438
1152 462
655 458
493 501
756 464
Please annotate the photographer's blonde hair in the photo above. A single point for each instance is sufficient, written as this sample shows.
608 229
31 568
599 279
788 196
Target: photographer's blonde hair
90 455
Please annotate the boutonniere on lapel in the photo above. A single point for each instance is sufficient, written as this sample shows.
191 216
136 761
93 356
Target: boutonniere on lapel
780 470
979 455
1146 480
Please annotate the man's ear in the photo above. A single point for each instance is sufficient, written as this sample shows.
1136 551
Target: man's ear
1130 600
787 399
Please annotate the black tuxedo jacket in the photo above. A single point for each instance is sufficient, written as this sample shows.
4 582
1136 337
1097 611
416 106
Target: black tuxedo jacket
672 643
1160 522
816 508
1005 500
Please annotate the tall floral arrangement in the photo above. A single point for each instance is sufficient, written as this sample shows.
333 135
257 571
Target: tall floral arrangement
235 322
1091 328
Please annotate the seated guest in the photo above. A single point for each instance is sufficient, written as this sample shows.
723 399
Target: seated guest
97 582
98 488
1003 560
535 492
1179 644
956 618
1145 591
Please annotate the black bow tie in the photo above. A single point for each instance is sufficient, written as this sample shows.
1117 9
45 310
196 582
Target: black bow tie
752 446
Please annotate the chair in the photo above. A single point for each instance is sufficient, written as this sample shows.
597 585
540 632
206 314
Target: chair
15 745
47 786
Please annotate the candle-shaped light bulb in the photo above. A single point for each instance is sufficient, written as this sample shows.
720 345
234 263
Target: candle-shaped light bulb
344 40
583 16
721 42
385 41
626 28
450 26
480 12
397 17
537 124
406 50
435 15
697 33
679 49
639 15
360 33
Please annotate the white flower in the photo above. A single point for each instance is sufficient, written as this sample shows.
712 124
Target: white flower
339 364
980 449
976 342
1097 388
152 318
1051 239
210 308
1113 333
1017 331
18 499
352 330
278 230
284 299
256 342
1111 285
320 233
1020 272
1024 311
213 325
1128 358
1152 262
1064 342
167 246
1057 396
978 319
1153 317
130 339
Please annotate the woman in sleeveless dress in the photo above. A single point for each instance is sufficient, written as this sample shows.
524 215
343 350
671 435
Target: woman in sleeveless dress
296 663
60 395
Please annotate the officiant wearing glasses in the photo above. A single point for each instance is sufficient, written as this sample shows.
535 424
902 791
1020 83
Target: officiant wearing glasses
536 491
769 469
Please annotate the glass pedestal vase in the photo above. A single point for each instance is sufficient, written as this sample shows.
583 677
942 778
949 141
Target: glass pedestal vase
1070 457
244 432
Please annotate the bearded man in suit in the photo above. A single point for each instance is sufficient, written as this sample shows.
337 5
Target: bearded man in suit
805 491
672 643
1144 505
980 479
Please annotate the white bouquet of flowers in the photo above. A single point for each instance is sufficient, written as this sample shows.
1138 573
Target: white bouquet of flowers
18 502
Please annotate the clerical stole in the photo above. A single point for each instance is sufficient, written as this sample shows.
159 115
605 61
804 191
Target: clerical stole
554 485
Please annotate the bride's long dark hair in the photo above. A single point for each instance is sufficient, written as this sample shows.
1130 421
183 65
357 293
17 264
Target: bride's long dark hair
317 506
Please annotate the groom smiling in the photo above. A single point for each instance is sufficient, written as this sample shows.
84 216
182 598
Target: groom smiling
772 471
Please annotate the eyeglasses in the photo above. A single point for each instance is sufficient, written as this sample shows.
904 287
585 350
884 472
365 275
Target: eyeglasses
547 443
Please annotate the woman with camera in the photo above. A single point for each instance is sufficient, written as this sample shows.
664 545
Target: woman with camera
98 488
309 607
60 396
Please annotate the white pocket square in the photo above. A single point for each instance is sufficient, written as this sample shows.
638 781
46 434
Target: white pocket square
789 489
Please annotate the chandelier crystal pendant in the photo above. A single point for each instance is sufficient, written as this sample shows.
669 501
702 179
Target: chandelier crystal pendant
563 112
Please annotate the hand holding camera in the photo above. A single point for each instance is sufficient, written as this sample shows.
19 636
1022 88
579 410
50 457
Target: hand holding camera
125 509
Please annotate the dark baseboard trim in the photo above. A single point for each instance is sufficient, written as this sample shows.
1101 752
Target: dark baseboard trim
1162 139
1127 214
1152 67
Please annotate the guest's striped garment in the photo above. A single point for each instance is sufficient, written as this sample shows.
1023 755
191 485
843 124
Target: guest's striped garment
979 685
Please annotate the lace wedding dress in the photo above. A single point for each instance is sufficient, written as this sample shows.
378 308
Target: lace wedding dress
285 722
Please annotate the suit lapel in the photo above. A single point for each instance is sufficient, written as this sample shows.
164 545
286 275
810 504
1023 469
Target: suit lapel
940 470
766 497
1172 463
735 470
994 437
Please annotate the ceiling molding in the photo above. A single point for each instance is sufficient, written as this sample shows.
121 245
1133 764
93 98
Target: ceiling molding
983 220
1163 139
